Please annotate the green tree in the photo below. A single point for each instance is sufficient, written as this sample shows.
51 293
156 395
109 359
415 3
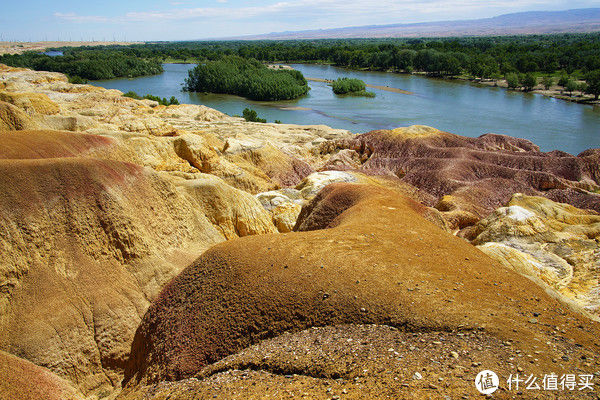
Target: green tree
547 81
571 86
512 80
528 82
563 80
247 78
593 83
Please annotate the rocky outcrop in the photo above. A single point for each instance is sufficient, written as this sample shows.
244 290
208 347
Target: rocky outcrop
232 211
41 144
106 198
86 244
253 167
12 118
470 177
22 380
187 138
554 244
31 102
285 203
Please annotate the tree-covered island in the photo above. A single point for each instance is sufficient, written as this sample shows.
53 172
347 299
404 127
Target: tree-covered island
247 78
350 86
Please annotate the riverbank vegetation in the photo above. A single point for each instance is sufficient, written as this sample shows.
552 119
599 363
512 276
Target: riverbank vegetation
251 116
483 59
81 65
350 86
247 78
162 101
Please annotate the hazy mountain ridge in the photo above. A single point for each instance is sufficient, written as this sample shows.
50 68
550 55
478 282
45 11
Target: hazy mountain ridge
529 22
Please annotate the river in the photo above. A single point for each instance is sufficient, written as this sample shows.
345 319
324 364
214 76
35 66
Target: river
450 105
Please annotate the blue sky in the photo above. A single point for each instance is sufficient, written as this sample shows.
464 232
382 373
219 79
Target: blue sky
189 19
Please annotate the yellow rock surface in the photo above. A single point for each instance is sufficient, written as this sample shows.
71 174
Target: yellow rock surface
31 102
12 118
553 243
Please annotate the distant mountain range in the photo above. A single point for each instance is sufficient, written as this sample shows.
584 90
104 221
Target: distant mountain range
532 22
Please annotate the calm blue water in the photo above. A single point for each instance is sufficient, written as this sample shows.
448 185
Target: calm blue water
53 53
453 106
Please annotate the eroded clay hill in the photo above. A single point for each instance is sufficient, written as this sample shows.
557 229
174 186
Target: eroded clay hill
20 379
470 177
552 243
88 242
105 198
362 255
85 244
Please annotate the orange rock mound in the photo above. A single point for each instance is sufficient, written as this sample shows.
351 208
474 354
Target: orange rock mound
378 262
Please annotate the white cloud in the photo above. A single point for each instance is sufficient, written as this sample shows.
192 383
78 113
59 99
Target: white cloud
72 17
337 11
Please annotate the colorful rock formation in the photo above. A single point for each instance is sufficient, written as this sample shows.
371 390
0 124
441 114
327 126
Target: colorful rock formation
555 244
470 177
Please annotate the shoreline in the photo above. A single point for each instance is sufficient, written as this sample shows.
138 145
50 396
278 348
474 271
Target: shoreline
553 92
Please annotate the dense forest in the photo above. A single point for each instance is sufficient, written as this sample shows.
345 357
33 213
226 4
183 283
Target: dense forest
81 64
568 57
246 77
477 56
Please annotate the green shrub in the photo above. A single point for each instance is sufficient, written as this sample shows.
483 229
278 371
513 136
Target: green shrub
347 85
162 101
77 79
361 93
133 95
251 116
